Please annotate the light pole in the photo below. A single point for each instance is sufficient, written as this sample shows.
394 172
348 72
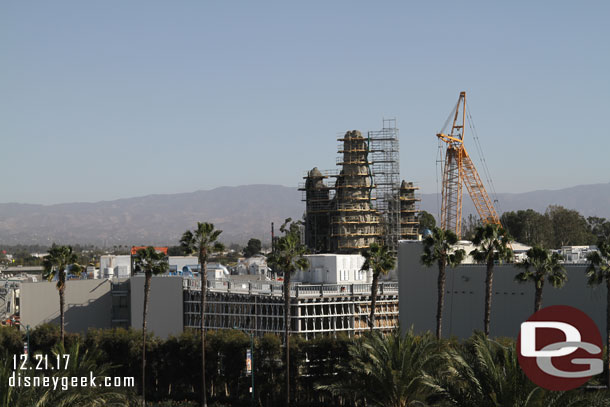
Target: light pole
27 335
251 361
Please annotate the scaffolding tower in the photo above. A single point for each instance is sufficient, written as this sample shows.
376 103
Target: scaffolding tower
318 199
385 166
355 223
367 202
409 200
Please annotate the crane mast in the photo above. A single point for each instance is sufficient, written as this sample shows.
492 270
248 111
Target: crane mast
458 168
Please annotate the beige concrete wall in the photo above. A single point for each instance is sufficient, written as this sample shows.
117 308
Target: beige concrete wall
165 315
88 304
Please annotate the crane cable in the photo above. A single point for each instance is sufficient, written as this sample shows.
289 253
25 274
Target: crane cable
440 159
486 172
439 163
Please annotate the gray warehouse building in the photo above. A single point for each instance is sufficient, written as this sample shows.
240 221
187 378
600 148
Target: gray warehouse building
512 302
105 304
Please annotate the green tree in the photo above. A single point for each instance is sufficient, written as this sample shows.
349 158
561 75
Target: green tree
151 263
386 370
81 363
539 265
600 227
484 373
288 257
529 227
56 264
11 339
426 221
268 368
254 247
598 272
380 260
569 227
481 373
176 251
438 248
470 226
493 245
203 241
4 261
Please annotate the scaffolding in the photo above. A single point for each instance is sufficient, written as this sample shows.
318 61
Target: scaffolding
318 199
315 310
385 165
356 223
366 204
409 200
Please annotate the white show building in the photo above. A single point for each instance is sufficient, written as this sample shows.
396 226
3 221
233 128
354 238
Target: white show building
115 266
334 269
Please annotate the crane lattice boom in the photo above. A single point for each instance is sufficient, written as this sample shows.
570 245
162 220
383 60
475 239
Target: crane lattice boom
459 168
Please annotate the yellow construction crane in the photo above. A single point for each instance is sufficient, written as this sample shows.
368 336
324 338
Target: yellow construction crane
459 168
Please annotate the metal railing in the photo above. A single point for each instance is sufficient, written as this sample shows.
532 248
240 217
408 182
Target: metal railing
297 290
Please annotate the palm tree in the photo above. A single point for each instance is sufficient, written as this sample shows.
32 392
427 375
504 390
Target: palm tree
438 248
493 245
481 372
484 373
81 363
203 241
541 264
56 264
381 260
386 370
151 262
598 272
288 257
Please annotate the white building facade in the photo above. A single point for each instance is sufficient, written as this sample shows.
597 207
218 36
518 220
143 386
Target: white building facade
334 269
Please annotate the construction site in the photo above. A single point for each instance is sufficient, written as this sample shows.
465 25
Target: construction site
363 200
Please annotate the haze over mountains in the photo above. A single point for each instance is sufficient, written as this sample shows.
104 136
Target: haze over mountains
589 200
240 212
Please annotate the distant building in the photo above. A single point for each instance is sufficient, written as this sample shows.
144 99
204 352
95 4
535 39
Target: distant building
576 254
179 264
255 265
22 270
519 250
115 266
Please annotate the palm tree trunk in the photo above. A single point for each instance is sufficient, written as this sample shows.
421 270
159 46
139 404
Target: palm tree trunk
62 291
204 281
145 312
488 292
608 329
538 295
441 298
287 332
373 300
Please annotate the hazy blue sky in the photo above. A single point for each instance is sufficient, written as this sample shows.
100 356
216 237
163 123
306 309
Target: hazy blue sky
111 99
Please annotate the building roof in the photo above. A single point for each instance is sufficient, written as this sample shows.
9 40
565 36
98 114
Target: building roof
24 269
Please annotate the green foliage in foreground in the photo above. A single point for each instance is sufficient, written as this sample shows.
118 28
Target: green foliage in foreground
373 370
82 363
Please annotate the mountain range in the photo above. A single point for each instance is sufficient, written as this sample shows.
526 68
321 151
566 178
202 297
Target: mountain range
589 200
241 212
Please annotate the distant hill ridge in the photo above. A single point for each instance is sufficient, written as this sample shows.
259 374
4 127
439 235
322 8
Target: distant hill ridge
589 200
240 212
